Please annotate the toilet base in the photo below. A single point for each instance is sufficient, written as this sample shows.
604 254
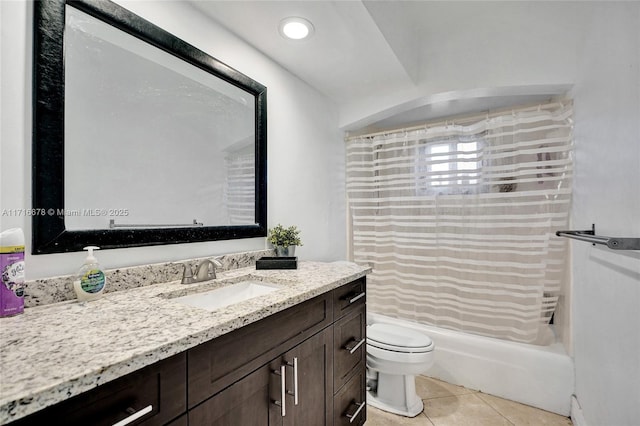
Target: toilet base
396 394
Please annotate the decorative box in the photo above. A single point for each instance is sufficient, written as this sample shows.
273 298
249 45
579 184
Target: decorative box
277 263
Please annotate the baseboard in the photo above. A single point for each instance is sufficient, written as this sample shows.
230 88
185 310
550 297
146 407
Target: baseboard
577 417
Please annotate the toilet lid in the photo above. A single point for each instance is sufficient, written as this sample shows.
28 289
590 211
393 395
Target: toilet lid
398 339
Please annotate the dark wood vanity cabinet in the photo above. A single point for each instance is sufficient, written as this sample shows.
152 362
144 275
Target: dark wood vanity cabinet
303 366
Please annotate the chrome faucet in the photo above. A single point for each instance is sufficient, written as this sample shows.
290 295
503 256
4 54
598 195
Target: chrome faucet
205 271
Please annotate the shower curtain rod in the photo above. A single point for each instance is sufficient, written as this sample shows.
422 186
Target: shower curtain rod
459 120
590 236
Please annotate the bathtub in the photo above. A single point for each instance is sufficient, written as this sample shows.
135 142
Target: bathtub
540 376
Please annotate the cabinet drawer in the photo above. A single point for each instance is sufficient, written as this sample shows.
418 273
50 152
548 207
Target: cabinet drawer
159 390
349 404
349 343
217 364
348 297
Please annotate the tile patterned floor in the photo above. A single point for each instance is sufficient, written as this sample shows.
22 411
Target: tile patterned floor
450 405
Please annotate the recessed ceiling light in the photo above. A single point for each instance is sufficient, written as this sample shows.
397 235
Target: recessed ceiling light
295 28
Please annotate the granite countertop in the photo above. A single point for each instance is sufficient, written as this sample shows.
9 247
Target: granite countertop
53 352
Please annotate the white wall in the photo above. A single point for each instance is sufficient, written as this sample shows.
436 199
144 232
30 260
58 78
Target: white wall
606 283
595 46
305 187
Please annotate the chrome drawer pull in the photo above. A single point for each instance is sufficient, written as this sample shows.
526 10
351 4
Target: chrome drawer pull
360 296
353 345
353 416
295 380
283 389
135 416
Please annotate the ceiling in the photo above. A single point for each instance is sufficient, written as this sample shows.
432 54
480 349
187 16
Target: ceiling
344 59
382 46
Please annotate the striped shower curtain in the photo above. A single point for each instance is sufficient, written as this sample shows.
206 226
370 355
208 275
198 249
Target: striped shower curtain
239 189
457 220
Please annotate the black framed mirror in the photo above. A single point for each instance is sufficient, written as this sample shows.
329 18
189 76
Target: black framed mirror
139 138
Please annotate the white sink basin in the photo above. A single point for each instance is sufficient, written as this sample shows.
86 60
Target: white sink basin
228 295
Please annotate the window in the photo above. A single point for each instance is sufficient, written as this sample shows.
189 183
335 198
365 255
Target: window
449 167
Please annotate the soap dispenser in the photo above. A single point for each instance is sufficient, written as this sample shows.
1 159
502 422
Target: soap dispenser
90 281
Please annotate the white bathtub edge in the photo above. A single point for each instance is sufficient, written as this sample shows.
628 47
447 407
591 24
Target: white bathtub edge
540 376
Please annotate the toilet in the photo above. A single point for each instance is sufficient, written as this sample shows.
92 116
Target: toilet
395 355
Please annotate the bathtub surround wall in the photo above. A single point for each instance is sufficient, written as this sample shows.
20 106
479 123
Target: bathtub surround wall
304 142
59 289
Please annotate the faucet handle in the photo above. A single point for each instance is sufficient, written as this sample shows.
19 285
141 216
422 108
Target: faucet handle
187 274
216 264
207 270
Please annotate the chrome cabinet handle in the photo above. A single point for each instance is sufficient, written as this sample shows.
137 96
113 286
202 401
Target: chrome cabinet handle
135 416
359 296
283 389
352 417
295 380
353 345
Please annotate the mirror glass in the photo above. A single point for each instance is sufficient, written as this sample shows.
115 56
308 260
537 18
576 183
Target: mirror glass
158 142
149 139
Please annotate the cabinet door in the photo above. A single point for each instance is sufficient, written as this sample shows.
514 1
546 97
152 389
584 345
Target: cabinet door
248 402
311 363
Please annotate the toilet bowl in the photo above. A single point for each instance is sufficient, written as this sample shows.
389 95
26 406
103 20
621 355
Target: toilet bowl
395 355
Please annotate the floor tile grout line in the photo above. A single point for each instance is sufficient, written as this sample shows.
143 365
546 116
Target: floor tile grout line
428 418
490 404
496 410
480 399
447 396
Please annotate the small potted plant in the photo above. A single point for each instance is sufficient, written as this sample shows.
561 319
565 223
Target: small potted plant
284 240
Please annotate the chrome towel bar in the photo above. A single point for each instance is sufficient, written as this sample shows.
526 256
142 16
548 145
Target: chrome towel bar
590 236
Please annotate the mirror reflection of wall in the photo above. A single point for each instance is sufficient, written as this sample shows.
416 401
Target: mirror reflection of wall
148 134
